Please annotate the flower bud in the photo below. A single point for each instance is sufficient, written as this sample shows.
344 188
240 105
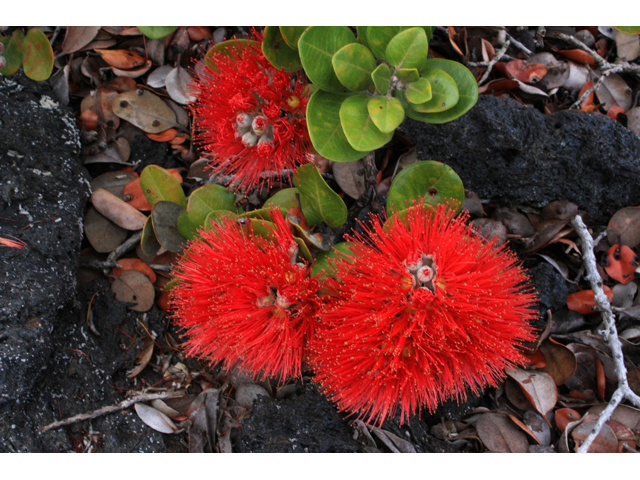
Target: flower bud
265 301
413 261
260 125
249 139
293 101
282 301
243 120
425 274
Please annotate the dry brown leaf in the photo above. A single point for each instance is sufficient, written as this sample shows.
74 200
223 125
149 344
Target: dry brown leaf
157 79
633 120
539 388
123 59
564 416
103 235
179 86
113 182
155 419
561 362
135 264
605 442
135 72
614 91
111 154
144 359
624 227
104 107
627 46
77 37
350 177
525 71
144 110
499 434
117 210
623 434
134 287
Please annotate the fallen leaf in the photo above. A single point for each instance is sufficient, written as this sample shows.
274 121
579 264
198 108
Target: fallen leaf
579 56
623 295
88 120
77 37
103 235
538 426
621 263
564 416
499 434
584 301
536 359
165 216
155 419
135 264
104 107
134 287
526 72
613 90
135 72
144 110
178 83
165 136
633 120
123 59
117 210
198 33
587 102
113 182
144 359
158 77
539 388
121 84
628 416
605 442
627 46
350 177
561 362
110 154
624 227
623 434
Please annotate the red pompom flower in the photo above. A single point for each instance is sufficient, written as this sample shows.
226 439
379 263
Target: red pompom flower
421 309
250 116
243 301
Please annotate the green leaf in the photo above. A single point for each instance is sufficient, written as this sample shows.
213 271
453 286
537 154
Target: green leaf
149 243
313 238
291 35
320 196
155 33
303 250
387 114
13 52
429 31
217 216
276 50
165 219
262 228
317 46
208 198
408 75
353 65
284 200
444 92
408 49
420 91
359 128
379 38
325 130
38 56
186 227
628 30
362 36
431 181
159 185
322 267
382 78
467 91
230 48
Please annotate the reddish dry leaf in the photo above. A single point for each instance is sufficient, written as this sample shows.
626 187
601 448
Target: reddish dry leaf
561 362
179 139
123 59
165 136
536 359
526 72
135 72
130 32
163 300
584 301
587 102
133 195
135 264
579 56
104 107
614 111
121 84
600 379
499 86
539 388
624 227
117 210
605 442
143 360
621 263
524 428
498 434
134 287
198 33
88 120
624 436
564 416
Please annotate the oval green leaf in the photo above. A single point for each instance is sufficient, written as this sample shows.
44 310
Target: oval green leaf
359 128
420 91
165 220
628 30
322 266
276 50
444 92
13 52
362 36
382 78
408 49
217 216
317 46
353 65
431 181
408 75
186 227
149 243
467 91
320 196
208 198
379 37
325 130
38 56
145 110
156 33
159 185
291 35
386 113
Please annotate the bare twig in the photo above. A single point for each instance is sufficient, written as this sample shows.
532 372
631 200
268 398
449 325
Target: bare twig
518 45
161 268
610 333
605 74
494 60
146 397
600 62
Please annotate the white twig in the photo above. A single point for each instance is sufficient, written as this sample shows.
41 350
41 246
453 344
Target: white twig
111 409
494 60
610 334
605 74
518 45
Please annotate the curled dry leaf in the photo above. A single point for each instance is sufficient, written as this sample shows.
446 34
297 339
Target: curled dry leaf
135 72
166 409
579 56
499 434
135 264
538 426
123 59
627 46
117 210
515 395
561 362
103 235
134 287
144 359
539 388
158 77
605 442
526 72
77 37
178 83
145 110
564 416
584 301
155 419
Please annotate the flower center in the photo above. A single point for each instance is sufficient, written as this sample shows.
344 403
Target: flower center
423 270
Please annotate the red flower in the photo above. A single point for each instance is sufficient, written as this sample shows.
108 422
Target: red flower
243 301
242 108
418 312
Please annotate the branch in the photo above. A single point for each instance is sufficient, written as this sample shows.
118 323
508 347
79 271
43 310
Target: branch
518 45
111 409
574 42
610 333
494 60
605 74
